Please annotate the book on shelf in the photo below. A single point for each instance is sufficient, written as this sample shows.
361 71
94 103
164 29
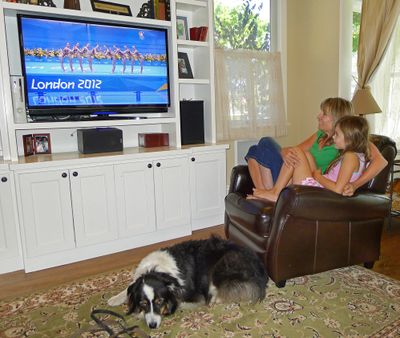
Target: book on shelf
194 33
203 33
198 33
160 9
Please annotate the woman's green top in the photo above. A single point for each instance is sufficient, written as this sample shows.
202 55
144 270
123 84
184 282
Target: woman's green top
323 156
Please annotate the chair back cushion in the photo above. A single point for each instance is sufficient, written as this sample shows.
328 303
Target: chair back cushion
387 147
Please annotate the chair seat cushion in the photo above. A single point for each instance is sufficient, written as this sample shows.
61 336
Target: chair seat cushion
251 216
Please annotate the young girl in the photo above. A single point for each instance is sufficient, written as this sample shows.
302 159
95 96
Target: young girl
351 139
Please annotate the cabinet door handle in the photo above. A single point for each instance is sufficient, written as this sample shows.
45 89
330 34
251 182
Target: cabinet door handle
75 173
149 166
193 159
158 164
4 179
64 175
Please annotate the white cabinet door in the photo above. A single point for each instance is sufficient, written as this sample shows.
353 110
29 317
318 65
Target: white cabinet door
135 198
171 179
93 204
9 247
208 188
46 212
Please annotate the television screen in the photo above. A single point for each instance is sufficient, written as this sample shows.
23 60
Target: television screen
85 67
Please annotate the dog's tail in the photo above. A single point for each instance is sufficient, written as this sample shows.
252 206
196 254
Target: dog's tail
239 275
239 291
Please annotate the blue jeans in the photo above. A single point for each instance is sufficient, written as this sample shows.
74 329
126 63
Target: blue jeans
267 152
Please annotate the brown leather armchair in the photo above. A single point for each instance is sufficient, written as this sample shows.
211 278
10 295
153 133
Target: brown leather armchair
310 230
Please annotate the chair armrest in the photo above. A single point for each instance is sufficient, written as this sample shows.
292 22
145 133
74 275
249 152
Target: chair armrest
240 180
322 204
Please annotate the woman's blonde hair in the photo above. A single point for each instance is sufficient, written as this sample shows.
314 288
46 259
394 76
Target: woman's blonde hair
337 107
355 130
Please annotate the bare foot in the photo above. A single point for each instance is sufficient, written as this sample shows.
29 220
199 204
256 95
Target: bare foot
269 195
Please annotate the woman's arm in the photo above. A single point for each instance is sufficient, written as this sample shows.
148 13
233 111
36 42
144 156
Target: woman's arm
350 164
376 165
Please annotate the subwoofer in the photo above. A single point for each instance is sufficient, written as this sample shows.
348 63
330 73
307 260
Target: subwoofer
192 122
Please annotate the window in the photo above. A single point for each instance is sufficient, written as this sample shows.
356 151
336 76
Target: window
249 89
385 85
243 24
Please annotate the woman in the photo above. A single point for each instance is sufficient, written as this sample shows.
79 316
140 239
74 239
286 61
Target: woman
266 158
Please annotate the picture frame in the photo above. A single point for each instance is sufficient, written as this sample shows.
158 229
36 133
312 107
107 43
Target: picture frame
28 145
110 7
182 29
42 143
184 68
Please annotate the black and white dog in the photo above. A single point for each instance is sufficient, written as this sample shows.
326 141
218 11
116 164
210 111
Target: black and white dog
211 271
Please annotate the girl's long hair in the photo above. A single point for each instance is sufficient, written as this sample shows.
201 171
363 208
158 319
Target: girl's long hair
355 130
337 107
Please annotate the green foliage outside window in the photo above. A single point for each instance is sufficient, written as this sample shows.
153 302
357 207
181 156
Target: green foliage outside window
240 27
356 30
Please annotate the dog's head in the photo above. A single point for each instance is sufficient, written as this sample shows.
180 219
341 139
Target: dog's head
154 294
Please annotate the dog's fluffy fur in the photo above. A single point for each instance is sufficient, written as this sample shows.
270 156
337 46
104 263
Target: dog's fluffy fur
212 270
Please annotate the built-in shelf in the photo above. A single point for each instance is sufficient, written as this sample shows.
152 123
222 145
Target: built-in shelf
200 53
191 43
190 5
79 124
194 81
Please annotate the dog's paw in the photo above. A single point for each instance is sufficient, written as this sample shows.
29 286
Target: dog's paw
118 299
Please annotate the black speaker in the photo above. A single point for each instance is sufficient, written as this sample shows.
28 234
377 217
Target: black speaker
99 140
192 122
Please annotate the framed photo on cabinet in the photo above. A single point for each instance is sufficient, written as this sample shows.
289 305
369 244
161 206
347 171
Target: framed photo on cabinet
42 144
184 69
28 145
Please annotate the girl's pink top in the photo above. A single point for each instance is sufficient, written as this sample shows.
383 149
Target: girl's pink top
334 172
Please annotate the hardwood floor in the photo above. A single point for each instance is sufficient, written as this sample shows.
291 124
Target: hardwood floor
20 283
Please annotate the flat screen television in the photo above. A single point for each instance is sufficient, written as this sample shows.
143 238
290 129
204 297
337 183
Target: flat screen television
79 69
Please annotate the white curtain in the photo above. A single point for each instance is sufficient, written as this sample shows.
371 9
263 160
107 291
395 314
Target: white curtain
249 94
386 90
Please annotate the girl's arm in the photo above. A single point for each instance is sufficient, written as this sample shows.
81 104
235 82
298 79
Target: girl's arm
350 164
376 165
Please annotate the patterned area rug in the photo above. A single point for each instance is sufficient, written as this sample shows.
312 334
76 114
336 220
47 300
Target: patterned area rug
345 302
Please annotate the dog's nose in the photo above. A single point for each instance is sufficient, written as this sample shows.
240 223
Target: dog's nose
153 325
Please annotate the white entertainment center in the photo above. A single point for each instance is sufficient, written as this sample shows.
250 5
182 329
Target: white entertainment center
65 206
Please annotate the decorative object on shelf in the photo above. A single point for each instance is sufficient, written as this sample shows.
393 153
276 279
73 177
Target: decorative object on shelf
72 4
167 10
182 28
149 140
198 33
42 144
46 3
28 145
110 7
147 10
184 69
